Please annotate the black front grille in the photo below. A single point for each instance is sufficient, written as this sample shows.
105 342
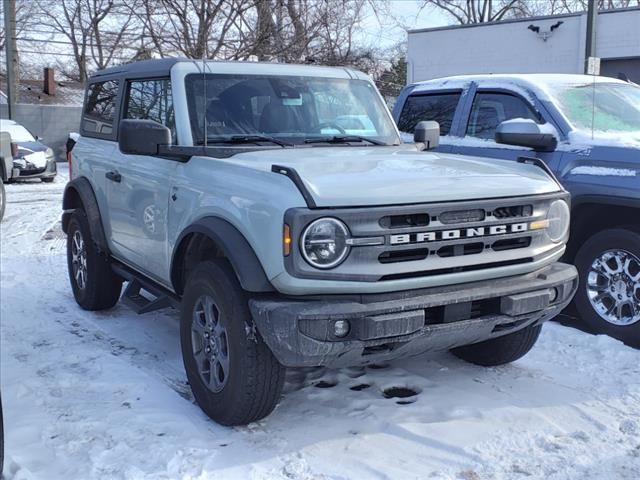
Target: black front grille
511 244
462 216
515 211
461 249
444 271
404 255
404 221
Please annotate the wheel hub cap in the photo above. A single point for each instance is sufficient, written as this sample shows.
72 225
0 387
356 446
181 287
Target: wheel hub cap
613 287
210 344
79 260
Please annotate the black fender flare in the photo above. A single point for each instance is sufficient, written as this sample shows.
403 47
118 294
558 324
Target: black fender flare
232 244
79 194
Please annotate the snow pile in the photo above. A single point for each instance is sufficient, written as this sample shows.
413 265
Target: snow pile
102 395
603 171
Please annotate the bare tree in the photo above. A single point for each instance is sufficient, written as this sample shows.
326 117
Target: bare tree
96 31
481 11
571 6
194 28
24 14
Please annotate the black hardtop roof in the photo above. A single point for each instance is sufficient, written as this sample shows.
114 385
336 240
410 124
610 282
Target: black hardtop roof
160 66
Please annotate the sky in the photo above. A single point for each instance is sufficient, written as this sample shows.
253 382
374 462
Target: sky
388 27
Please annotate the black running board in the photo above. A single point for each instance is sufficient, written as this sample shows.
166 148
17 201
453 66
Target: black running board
133 297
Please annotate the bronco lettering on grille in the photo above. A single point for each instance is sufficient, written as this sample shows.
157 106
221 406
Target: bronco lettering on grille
422 237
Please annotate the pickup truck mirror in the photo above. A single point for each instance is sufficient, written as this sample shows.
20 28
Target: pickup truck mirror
142 137
427 133
524 132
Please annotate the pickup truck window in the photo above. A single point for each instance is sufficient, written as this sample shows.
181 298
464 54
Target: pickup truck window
616 108
438 107
100 108
151 100
289 108
489 109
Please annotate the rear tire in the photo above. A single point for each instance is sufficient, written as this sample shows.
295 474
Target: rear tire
94 285
234 376
605 247
501 350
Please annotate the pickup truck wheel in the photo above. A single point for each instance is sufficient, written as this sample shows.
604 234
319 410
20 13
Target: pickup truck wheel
608 299
233 375
94 285
500 350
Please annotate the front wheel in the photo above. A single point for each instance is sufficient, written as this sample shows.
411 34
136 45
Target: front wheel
608 300
498 351
233 375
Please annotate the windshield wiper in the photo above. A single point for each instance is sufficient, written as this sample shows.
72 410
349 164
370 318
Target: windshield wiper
344 139
240 139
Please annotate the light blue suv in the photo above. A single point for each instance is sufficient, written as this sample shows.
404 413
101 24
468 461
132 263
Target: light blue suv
275 206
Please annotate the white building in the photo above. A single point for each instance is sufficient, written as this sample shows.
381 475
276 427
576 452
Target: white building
514 46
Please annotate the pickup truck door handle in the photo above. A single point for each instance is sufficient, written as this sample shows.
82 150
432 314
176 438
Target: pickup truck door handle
113 176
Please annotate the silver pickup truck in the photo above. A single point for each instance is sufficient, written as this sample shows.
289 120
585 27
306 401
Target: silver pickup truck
276 208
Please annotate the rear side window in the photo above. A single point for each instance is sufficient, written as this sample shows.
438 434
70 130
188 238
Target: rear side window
151 100
490 109
438 107
99 111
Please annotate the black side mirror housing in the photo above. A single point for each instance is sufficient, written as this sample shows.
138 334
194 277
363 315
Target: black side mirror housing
427 133
524 132
142 137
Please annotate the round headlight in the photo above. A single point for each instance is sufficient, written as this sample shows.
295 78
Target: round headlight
324 243
558 217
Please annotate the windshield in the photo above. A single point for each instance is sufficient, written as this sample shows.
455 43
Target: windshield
291 109
617 106
18 132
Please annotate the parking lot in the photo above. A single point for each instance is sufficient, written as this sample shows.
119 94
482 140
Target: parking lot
104 395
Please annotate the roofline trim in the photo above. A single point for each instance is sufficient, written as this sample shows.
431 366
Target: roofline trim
519 20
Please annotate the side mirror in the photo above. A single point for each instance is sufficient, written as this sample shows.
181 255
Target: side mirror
524 132
142 137
427 133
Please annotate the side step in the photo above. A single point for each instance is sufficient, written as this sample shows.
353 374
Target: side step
136 301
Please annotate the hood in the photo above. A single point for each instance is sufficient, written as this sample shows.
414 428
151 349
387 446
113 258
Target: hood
357 176
34 153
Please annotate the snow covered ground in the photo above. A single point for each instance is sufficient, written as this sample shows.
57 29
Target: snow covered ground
103 396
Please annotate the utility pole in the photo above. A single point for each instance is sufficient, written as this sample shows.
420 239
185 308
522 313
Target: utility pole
591 67
12 53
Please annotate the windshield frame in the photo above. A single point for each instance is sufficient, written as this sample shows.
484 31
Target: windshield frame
384 121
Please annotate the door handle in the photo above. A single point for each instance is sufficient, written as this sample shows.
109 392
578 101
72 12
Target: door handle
113 176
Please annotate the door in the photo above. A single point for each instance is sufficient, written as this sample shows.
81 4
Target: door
488 110
140 185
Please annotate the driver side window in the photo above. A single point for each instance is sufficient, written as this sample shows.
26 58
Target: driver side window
490 109
151 100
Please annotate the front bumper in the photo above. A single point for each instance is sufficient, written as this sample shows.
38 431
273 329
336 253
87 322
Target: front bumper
30 171
300 331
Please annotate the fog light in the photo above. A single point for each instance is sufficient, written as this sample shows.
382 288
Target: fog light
341 328
553 295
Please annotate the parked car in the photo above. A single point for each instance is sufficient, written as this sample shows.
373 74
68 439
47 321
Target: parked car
6 168
31 157
287 241
593 148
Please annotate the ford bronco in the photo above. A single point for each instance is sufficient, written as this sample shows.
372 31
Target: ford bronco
276 208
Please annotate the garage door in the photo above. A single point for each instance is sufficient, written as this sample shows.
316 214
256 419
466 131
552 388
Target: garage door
626 66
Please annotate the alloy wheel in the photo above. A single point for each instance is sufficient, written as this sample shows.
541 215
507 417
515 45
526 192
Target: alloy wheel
613 287
79 260
210 344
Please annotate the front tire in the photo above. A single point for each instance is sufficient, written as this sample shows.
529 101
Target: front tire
501 350
234 376
94 285
608 300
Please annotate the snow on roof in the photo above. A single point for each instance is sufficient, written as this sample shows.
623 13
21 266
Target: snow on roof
529 80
